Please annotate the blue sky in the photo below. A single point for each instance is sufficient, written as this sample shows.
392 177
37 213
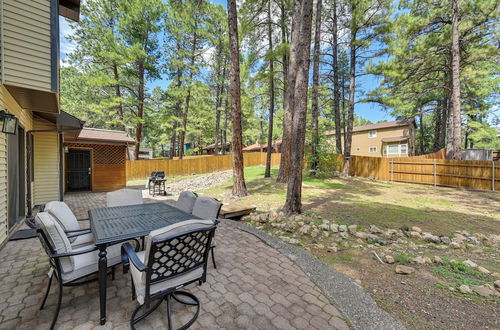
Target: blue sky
370 111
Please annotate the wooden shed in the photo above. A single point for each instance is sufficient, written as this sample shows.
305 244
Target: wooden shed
96 160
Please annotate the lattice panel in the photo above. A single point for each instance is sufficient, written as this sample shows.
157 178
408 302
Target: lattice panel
104 154
179 255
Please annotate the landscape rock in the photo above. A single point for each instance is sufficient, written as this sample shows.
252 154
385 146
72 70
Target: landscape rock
465 289
404 270
332 249
416 229
483 270
315 232
474 240
445 240
428 237
455 245
352 229
419 260
334 228
325 226
344 235
289 227
496 284
388 259
415 234
375 230
438 260
470 263
304 230
293 241
482 290
342 228
459 238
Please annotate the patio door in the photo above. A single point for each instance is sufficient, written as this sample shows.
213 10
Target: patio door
79 170
16 168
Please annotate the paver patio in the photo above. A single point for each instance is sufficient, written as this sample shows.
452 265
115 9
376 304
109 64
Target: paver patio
253 287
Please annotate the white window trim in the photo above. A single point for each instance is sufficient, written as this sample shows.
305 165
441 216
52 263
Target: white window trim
399 149
370 134
370 149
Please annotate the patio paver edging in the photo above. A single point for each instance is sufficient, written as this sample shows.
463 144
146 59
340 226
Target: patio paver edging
354 303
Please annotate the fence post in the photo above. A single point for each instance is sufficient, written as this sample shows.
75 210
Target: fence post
435 176
392 169
493 175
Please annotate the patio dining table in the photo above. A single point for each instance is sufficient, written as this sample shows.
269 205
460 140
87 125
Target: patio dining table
112 225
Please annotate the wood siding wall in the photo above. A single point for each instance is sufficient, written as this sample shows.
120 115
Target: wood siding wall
108 165
26 44
46 163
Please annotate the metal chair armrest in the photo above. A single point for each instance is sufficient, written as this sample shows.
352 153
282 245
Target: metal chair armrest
78 232
74 253
86 219
128 253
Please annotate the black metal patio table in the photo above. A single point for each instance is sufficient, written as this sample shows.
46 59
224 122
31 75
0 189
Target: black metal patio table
112 225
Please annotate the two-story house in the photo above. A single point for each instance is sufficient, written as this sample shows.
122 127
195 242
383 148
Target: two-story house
389 139
31 155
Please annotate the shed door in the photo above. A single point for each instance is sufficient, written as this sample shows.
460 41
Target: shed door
79 170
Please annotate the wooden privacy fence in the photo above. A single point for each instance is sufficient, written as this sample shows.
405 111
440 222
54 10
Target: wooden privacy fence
141 169
483 175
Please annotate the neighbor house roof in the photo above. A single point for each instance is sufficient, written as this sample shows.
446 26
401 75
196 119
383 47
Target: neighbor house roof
212 146
104 135
395 139
388 124
258 146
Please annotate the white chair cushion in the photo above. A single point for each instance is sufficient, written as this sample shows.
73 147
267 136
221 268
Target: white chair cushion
176 282
57 237
88 263
63 214
82 240
206 208
186 201
124 197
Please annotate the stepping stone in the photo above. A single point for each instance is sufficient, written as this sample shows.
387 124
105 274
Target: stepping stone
235 211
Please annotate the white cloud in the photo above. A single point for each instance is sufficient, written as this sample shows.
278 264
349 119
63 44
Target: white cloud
65 30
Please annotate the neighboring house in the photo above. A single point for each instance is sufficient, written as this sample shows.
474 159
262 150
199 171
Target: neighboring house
210 149
144 153
258 147
389 139
31 159
95 160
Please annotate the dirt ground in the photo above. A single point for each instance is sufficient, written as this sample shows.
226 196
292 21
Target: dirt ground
421 300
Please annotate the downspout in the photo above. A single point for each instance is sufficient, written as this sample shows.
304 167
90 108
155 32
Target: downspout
30 168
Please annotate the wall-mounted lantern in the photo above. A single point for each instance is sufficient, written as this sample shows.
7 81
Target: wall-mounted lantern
8 122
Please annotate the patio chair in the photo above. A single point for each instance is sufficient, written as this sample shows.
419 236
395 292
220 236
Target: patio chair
208 208
174 256
124 197
77 235
69 266
186 201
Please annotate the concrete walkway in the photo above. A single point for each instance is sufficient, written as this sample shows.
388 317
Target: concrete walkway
254 287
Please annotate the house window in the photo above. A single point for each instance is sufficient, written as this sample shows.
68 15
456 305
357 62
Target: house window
372 134
404 149
393 149
373 149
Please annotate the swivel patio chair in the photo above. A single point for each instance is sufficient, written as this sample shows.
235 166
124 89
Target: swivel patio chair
208 208
69 266
174 256
124 197
186 201
77 235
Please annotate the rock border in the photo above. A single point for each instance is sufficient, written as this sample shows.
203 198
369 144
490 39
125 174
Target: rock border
353 302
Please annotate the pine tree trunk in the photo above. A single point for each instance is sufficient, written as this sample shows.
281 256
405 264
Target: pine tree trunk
218 98
315 91
118 94
177 111
284 39
422 135
289 105
456 145
267 173
239 186
444 124
140 109
224 132
293 203
438 125
352 91
336 89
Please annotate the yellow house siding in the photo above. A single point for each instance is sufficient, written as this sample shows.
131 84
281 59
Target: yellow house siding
3 187
26 44
46 163
361 142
